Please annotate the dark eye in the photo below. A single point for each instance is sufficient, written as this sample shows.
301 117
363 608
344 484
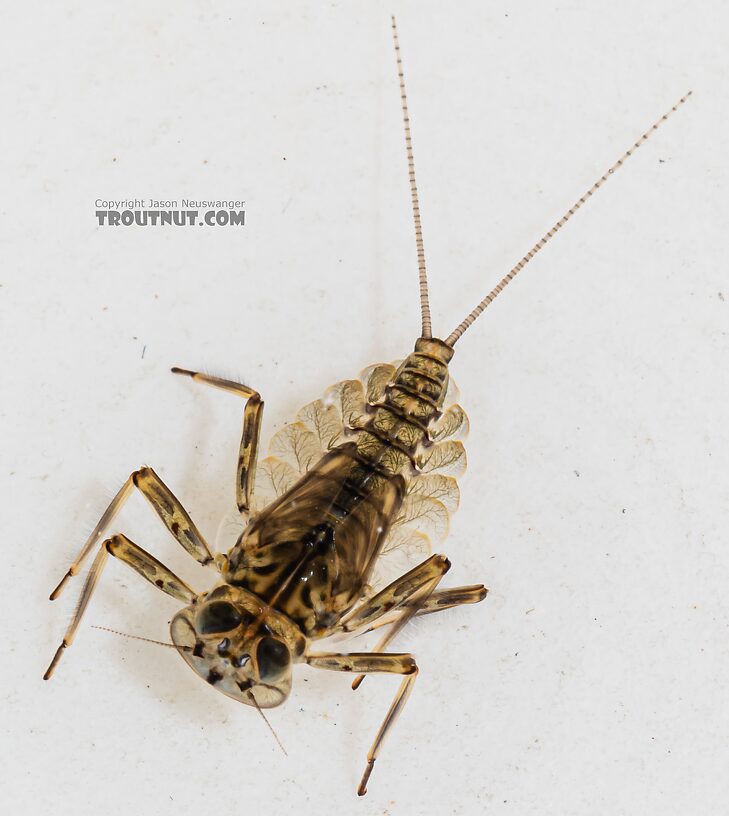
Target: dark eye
218 616
272 657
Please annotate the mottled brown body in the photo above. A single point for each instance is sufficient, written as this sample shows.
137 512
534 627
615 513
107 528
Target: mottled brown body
351 477
352 480
310 554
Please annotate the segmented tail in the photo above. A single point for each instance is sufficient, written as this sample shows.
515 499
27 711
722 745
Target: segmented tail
471 317
455 335
426 330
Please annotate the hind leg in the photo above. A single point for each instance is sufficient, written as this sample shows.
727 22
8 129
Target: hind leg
411 594
370 662
440 600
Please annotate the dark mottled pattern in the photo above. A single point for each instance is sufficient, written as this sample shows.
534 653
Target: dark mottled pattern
310 553
413 400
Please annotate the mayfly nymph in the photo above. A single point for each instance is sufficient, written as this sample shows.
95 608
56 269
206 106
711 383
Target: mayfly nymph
364 476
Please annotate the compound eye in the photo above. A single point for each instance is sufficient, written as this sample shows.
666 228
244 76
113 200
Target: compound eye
273 658
218 616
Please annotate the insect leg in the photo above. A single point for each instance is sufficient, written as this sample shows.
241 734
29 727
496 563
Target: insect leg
96 534
173 515
139 560
364 662
397 594
149 567
448 598
440 600
374 662
252 417
398 704
168 508
422 603
406 595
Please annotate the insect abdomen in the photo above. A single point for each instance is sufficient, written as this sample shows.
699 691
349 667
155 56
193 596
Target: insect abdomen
311 551
398 424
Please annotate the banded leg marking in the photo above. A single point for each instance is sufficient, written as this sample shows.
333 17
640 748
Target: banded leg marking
405 596
174 516
374 662
368 662
252 419
140 561
397 594
439 601
149 567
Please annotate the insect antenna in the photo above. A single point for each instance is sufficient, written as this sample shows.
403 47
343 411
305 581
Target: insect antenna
265 719
189 649
456 334
426 330
139 637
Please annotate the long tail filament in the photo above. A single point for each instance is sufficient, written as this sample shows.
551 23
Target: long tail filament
455 335
426 330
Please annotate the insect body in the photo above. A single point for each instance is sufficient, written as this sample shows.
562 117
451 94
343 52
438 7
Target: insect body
300 570
347 485
303 563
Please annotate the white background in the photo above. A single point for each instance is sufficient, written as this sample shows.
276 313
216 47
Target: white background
593 679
